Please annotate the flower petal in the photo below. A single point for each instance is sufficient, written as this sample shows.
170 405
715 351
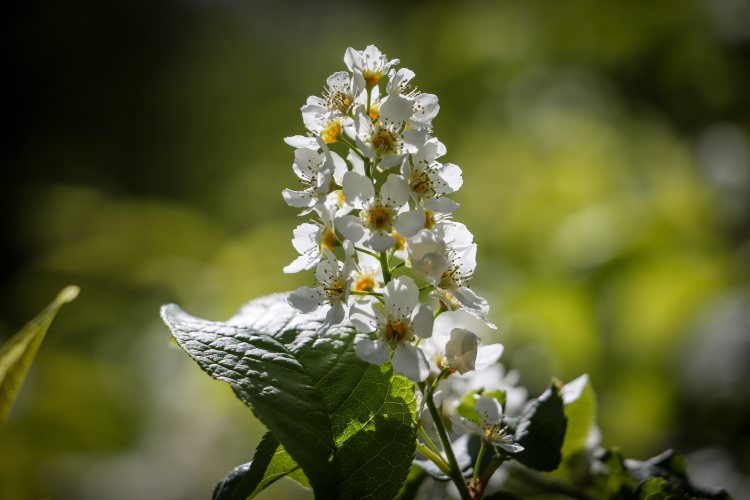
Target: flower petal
441 205
380 241
335 315
461 350
489 409
351 228
365 317
411 362
395 191
357 189
375 352
423 321
401 297
306 299
488 356
407 224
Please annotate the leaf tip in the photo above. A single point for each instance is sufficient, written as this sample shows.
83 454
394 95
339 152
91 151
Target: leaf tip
68 294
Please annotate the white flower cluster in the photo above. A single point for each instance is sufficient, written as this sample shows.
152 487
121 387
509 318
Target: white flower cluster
383 201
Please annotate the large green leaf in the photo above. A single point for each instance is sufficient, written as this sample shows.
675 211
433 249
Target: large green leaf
348 424
270 463
541 431
18 352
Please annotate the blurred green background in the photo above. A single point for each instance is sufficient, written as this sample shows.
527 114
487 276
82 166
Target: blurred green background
606 156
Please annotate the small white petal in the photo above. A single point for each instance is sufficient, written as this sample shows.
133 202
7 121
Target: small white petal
461 350
401 296
489 409
396 109
488 356
358 165
301 263
407 224
395 192
423 321
357 189
365 317
411 362
375 352
430 267
335 315
306 299
380 241
299 199
462 425
301 141
441 205
351 228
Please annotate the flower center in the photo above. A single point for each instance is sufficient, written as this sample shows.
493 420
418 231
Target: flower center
365 284
332 131
375 111
329 240
429 219
372 77
335 289
399 240
384 141
420 183
380 217
395 332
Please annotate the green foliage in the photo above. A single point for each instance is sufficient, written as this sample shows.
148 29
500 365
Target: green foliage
270 463
18 352
348 424
414 480
469 400
541 431
657 488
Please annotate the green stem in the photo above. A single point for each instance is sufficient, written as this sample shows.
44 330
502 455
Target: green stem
397 266
424 450
369 91
384 266
367 252
496 462
356 292
440 311
352 147
479 462
424 287
437 419
427 439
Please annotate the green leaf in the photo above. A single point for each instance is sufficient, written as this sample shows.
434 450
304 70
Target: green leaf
270 463
670 467
18 352
414 480
658 488
349 425
580 409
541 431
469 401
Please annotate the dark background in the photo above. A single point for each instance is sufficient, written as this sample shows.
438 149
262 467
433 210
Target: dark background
606 163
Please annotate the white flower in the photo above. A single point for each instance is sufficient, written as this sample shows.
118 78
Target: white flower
319 172
459 348
333 277
340 96
372 64
388 141
368 275
402 323
425 107
311 239
490 428
453 290
426 254
379 213
430 180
